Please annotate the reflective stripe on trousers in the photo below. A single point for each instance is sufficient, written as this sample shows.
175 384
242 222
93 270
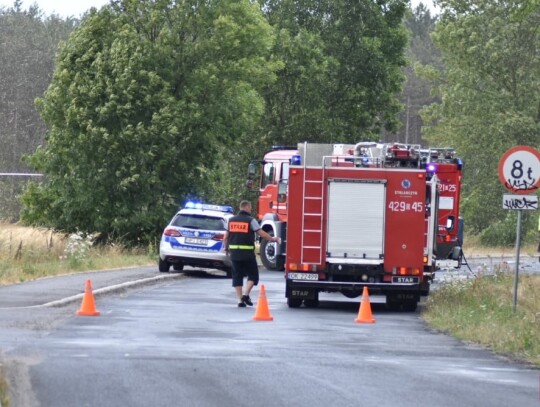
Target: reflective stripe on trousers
239 246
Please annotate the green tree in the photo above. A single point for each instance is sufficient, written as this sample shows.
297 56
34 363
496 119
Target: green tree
144 95
490 99
417 91
342 70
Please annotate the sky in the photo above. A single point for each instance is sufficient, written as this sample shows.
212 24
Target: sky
65 8
75 8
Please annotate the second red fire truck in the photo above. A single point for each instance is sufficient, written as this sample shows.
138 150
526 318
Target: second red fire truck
352 216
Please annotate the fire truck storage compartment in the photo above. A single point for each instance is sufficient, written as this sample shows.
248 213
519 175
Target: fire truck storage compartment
356 211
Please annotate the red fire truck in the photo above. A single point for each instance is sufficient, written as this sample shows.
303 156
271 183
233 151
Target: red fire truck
448 167
381 215
274 179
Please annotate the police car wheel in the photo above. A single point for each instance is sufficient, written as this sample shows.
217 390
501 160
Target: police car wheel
164 266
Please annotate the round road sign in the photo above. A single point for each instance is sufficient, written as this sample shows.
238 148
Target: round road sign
519 169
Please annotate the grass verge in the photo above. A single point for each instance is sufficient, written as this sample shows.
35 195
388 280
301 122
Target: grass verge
30 253
481 310
27 269
4 399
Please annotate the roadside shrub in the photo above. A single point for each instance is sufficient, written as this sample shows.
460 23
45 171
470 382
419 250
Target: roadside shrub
503 232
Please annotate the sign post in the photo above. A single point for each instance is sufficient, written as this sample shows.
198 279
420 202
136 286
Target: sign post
519 172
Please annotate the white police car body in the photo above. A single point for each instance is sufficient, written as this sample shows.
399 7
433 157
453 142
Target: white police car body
194 237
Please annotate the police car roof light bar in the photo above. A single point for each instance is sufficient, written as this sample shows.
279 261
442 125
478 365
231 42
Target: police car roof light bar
208 207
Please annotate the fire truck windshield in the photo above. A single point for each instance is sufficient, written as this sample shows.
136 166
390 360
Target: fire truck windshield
267 176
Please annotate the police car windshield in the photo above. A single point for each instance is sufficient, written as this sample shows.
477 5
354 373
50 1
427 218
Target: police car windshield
198 222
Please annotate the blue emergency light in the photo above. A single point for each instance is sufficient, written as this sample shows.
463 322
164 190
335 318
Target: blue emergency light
190 205
296 159
208 207
431 168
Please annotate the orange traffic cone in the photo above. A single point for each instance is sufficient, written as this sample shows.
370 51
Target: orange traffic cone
88 306
262 313
364 313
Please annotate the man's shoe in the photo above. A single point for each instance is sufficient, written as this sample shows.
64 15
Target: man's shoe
241 305
247 300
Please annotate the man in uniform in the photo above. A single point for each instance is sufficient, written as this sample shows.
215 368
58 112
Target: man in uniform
239 243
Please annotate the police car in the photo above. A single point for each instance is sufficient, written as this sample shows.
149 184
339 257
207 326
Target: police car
194 237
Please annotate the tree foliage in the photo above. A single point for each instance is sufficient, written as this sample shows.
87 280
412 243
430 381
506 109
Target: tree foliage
417 90
490 96
143 95
153 101
342 70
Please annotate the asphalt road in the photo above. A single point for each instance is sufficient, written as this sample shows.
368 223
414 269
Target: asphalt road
174 339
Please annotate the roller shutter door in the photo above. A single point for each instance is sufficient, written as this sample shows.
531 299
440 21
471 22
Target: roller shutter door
356 219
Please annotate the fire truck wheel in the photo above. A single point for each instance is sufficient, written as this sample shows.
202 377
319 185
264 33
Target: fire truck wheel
409 306
294 302
394 304
311 303
164 266
269 259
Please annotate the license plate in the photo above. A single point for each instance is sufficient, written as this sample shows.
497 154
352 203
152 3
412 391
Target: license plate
303 276
405 280
194 240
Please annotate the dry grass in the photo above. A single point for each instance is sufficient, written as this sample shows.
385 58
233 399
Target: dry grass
472 248
13 237
481 310
30 253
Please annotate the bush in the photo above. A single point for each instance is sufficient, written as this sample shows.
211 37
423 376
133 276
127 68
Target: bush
504 232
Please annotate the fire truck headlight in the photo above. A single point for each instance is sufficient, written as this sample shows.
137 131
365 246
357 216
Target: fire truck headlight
364 277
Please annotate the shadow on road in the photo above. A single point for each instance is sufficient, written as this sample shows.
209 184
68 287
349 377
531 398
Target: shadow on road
201 273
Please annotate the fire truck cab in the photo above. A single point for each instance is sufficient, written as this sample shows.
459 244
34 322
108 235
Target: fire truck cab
272 203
